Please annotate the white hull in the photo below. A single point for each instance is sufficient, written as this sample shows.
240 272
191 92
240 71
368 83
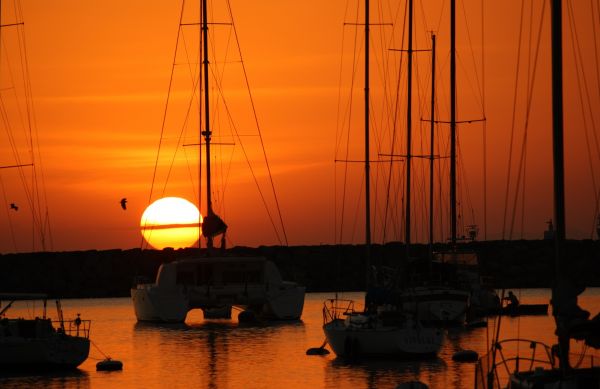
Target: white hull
286 304
215 285
382 341
56 352
151 304
443 305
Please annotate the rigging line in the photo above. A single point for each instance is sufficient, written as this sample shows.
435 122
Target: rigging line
484 129
595 42
475 89
179 139
32 124
578 59
465 182
597 194
254 176
521 172
351 99
258 127
523 193
338 137
512 129
164 119
8 218
394 124
19 165
218 76
359 202
479 88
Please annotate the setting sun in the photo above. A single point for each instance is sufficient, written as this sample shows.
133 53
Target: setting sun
171 222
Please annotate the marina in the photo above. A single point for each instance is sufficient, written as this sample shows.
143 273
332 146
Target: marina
225 354
267 238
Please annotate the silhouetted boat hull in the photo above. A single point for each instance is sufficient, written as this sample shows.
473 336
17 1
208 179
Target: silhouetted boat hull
524 310
211 283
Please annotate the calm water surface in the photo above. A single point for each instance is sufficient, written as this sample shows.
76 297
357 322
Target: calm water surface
225 354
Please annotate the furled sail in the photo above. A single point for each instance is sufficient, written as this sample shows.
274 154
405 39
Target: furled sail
213 225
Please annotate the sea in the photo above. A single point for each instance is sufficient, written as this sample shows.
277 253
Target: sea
226 354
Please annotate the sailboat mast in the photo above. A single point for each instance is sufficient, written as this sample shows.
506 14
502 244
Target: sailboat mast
207 132
408 124
367 154
453 121
559 185
431 146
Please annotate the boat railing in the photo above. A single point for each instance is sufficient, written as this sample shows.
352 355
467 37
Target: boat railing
507 358
334 309
76 327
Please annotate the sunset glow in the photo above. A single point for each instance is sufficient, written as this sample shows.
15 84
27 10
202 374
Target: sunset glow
171 222
99 92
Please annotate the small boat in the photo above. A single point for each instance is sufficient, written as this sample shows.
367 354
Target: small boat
41 343
524 310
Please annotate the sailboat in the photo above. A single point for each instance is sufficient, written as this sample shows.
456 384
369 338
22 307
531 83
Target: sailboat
379 330
215 283
571 322
41 343
436 299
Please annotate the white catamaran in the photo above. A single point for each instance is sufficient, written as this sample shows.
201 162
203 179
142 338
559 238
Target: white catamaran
215 283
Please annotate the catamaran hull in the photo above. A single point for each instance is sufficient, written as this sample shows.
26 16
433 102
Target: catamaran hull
382 342
152 305
57 352
164 307
287 304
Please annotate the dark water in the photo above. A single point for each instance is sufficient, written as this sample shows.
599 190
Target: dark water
224 354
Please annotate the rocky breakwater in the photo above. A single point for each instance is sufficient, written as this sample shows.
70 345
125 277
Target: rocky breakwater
323 268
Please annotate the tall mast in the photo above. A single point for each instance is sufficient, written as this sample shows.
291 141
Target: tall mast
431 146
408 124
207 132
453 121
559 291
367 155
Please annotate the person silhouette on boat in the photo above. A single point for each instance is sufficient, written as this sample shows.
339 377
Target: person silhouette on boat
513 301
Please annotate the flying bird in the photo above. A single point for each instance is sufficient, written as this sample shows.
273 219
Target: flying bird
14 206
124 203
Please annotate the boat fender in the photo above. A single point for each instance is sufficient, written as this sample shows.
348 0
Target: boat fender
465 356
109 364
317 351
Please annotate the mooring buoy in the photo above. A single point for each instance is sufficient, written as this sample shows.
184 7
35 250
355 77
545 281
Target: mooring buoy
317 351
109 364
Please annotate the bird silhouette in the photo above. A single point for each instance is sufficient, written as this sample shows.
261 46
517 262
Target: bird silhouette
124 203
14 206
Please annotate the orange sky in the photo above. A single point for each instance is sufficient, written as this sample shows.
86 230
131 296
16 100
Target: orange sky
99 72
